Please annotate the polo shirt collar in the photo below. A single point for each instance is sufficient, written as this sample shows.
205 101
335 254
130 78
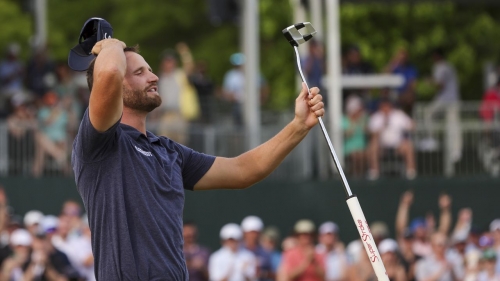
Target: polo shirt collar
134 133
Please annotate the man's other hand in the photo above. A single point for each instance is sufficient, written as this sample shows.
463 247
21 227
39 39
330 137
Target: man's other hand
308 107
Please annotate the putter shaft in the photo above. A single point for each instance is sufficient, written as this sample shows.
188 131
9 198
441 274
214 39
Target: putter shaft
336 161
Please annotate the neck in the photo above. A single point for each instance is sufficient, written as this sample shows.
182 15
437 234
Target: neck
134 119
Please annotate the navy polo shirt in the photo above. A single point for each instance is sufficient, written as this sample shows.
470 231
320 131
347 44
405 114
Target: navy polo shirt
132 186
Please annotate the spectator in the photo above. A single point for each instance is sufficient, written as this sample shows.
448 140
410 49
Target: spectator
379 230
389 129
333 251
490 111
32 221
67 90
354 63
269 241
314 65
179 100
231 262
55 262
447 98
252 227
302 262
51 139
76 248
40 75
12 267
11 76
406 93
419 228
89 262
438 266
205 88
489 273
495 233
72 211
22 124
196 255
360 268
354 126
234 87
388 252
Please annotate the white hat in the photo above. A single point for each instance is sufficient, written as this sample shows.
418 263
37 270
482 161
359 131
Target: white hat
354 103
252 223
387 245
304 226
328 227
20 237
231 231
49 223
32 217
495 225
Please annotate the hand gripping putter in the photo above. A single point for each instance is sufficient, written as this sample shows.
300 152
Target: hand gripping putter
295 38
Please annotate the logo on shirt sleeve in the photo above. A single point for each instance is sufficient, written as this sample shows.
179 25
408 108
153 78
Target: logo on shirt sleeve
145 153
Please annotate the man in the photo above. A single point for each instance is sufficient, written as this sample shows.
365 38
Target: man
333 250
447 98
252 227
196 256
303 263
438 266
231 262
132 182
389 128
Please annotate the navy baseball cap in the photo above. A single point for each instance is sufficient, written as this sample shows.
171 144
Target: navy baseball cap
93 31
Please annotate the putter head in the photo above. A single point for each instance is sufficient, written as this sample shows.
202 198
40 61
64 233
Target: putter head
295 37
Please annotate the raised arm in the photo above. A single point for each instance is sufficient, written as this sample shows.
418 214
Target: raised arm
445 216
256 164
106 102
403 213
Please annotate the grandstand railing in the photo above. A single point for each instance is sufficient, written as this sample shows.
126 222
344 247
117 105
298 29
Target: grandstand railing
479 155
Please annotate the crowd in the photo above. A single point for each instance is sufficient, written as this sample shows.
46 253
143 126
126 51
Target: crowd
48 247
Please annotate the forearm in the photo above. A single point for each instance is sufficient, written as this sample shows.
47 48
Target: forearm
445 221
401 220
259 162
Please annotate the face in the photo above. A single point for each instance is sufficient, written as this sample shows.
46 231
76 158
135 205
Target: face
189 234
251 237
439 244
231 244
168 65
140 86
354 56
385 107
388 257
327 239
305 239
64 225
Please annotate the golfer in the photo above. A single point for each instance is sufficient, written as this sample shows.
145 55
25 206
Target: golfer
132 182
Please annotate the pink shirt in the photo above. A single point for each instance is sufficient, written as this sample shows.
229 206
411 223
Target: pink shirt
295 257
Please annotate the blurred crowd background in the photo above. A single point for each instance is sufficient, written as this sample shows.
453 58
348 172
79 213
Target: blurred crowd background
440 118
40 246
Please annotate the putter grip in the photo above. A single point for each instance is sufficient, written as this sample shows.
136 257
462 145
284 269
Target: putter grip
367 238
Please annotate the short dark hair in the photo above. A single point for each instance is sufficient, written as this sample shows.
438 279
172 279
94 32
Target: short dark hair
90 70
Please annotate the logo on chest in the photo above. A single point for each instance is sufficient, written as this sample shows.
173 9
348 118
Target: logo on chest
145 153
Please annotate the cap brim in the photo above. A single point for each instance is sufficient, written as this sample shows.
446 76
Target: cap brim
78 60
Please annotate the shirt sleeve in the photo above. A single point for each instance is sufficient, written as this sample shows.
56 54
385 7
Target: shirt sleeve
375 123
91 145
194 165
440 73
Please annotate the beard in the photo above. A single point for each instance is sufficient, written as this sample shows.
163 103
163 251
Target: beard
140 100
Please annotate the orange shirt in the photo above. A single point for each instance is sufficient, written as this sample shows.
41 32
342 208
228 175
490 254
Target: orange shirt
295 257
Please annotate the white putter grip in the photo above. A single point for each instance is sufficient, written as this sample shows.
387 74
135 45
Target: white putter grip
367 238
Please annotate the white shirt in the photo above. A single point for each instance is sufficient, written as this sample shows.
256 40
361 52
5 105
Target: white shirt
170 91
238 266
335 265
234 82
78 249
429 266
391 127
444 74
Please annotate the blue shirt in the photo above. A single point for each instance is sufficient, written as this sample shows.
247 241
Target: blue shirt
132 186
408 72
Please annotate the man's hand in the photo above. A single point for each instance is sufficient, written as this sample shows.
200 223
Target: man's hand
106 43
309 107
444 201
407 198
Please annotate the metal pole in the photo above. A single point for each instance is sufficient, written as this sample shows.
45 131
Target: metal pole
251 69
317 18
334 76
40 24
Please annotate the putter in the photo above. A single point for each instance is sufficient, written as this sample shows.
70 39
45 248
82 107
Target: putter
295 37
